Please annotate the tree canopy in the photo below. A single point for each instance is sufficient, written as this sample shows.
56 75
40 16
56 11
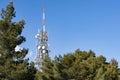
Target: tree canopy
80 65
13 66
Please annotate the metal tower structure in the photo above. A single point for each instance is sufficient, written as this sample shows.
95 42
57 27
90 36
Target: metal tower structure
42 45
11 0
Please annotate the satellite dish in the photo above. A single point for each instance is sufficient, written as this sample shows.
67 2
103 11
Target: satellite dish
36 36
43 47
38 47
43 51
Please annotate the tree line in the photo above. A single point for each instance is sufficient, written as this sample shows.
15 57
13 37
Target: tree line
79 65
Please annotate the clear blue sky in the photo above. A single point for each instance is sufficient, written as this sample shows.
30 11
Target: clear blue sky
72 24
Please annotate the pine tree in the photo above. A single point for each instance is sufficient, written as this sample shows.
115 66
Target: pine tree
57 69
12 63
47 71
80 65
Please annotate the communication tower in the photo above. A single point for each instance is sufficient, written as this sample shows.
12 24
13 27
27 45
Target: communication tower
42 45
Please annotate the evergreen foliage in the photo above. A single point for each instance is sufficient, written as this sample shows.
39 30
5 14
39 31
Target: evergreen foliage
12 63
119 73
80 65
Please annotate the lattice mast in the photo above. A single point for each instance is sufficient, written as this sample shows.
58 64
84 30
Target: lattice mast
11 0
42 45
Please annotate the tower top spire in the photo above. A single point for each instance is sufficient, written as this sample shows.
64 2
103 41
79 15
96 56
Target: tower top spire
43 18
11 0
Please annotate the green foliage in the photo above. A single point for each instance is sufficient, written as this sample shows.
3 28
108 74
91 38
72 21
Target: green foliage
80 65
119 73
9 13
12 63
47 69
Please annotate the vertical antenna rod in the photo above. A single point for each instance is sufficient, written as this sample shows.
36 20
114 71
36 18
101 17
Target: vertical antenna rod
11 0
43 19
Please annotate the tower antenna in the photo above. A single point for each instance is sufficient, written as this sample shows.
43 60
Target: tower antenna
11 0
43 18
42 45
